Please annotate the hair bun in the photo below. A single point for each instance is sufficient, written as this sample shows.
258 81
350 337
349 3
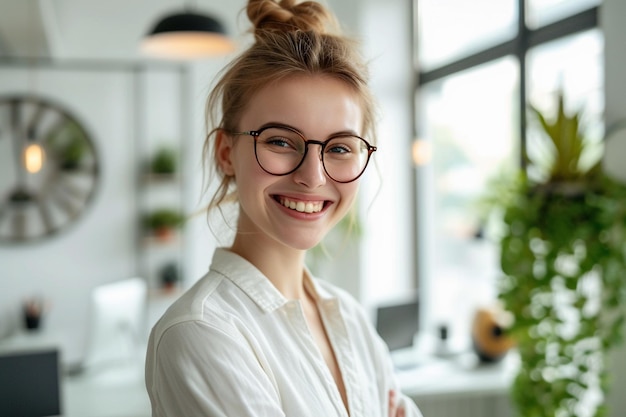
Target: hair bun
287 15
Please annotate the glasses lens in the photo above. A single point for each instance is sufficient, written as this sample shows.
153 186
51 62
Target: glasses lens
345 157
279 150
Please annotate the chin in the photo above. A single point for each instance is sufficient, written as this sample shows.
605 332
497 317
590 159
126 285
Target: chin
303 245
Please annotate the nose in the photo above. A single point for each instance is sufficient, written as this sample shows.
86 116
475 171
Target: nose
311 173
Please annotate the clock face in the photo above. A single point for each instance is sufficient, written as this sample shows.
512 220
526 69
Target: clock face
48 169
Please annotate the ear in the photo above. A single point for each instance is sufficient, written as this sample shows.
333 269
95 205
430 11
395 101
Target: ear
223 152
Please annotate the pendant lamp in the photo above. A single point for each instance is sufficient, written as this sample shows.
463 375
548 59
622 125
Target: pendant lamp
187 35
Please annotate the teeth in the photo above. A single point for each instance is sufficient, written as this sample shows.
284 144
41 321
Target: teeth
301 206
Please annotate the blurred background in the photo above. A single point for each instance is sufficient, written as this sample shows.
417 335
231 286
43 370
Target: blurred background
122 164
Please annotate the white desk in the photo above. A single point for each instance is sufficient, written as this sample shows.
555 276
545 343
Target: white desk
120 391
459 376
458 387
111 390
116 391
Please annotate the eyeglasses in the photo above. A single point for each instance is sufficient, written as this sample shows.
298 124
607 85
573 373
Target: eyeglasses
280 150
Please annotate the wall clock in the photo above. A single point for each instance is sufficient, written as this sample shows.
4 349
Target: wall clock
49 169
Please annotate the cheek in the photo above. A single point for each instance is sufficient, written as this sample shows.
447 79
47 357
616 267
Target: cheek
348 195
250 180
244 162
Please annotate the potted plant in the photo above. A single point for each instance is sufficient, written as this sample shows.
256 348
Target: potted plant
69 146
169 275
164 162
33 309
563 257
162 222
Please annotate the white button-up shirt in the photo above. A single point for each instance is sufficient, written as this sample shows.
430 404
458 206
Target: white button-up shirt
233 345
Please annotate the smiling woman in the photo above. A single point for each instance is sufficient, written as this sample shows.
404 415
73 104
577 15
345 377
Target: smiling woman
303 181
258 335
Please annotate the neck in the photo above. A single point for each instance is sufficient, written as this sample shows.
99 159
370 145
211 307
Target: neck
283 266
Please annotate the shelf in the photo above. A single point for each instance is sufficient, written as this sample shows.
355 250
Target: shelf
174 240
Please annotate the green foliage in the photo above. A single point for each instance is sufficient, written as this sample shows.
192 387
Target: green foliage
69 145
563 257
163 162
568 147
163 218
169 274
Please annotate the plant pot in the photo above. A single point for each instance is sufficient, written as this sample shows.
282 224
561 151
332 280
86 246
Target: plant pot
32 322
164 234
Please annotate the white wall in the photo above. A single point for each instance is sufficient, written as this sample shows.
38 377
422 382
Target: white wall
387 251
100 246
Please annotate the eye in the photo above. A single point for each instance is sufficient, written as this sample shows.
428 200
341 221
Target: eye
344 146
280 140
337 148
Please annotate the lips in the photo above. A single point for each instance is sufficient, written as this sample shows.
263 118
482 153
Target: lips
302 206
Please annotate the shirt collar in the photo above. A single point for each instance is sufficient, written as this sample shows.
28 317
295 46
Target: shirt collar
256 285
317 291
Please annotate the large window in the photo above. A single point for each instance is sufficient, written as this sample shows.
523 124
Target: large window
479 64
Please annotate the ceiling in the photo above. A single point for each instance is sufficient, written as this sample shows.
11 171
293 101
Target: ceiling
95 29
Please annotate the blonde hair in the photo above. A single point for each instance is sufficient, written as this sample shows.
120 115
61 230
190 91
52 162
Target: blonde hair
290 39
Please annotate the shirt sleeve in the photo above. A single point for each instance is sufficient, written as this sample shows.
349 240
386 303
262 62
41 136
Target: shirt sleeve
202 371
385 370
410 408
405 401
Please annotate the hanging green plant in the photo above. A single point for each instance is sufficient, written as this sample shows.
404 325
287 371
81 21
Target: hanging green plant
563 257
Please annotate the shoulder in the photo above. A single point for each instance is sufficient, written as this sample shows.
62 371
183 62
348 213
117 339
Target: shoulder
200 304
209 298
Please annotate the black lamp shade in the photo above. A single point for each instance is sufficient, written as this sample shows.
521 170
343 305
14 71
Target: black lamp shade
188 22
187 36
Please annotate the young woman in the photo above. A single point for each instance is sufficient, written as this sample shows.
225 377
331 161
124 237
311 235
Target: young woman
258 335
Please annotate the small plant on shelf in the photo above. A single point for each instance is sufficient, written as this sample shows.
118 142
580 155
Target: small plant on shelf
161 223
164 162
169 276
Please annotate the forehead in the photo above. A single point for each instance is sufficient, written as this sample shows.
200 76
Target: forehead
314 104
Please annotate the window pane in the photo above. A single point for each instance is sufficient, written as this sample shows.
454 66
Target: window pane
470 119
451 29
575 65
543 12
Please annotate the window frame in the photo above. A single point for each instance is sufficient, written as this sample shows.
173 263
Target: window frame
518 47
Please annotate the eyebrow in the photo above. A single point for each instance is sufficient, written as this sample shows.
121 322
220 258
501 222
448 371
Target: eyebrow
279 124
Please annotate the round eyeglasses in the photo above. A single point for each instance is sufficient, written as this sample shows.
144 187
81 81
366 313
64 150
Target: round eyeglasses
280 150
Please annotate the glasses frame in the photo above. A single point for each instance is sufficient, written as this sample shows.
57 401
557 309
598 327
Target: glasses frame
256 133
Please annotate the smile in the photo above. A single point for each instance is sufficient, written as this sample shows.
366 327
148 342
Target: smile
301 206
